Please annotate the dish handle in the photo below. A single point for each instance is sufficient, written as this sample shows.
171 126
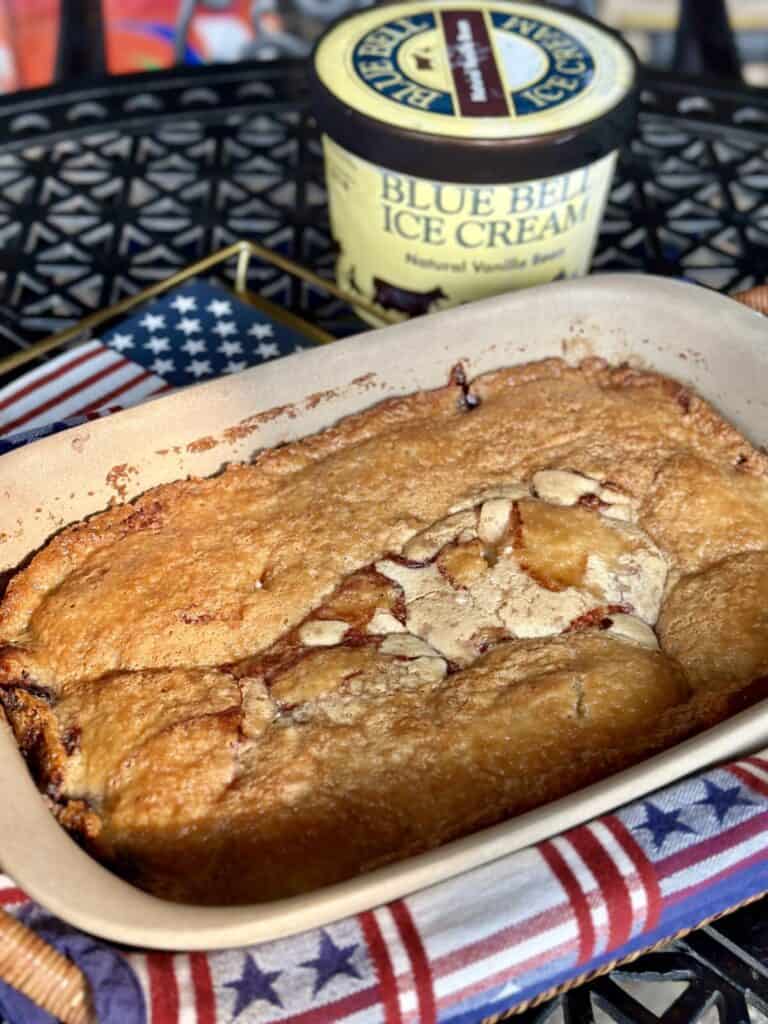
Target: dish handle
42 974
756 298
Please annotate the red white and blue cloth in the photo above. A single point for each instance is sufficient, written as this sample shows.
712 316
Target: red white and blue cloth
465 949
460 951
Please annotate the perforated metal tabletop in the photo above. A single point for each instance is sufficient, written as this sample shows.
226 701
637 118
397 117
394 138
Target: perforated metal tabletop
113 185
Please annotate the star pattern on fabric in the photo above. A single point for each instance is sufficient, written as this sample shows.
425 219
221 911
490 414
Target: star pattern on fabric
193 346
723 799
163 366
189 325
153 321
253 985
330 961
199 367
184 304
157 345
224 328
662 824
121 341
229 348
197 332
219 307
267 349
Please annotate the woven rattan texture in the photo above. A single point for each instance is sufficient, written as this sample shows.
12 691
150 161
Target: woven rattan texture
110 187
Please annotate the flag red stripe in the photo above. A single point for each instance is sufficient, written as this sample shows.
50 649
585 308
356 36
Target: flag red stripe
380 956
114 393
513 970
12 895
576 898
205 1001
754 781
163 988
46 378
503 939
700 852
642 865
422 974
63 395
759 857
339 1010
612 885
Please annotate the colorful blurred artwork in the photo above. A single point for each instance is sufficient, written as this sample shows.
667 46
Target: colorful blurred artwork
29 31
9 77
142 35
145 34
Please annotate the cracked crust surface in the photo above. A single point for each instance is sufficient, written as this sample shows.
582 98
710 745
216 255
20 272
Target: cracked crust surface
425 619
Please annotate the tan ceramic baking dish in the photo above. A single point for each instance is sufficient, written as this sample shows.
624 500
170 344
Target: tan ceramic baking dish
703 339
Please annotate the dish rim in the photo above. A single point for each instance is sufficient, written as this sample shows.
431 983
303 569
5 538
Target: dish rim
46 862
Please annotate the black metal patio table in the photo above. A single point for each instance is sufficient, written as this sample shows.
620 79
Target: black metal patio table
108 185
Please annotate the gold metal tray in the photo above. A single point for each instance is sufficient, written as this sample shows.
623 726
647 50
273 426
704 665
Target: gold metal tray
242 252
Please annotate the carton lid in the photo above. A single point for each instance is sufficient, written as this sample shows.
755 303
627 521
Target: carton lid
525 89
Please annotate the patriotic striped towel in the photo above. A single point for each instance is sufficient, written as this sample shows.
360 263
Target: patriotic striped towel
462 950
468 948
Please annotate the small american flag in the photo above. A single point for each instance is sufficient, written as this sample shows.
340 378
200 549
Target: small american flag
194 333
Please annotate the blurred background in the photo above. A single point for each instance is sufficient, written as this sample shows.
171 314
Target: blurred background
45 40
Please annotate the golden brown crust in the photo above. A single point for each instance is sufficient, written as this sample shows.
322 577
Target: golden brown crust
702 512
431 616
263 550
715 622
486 741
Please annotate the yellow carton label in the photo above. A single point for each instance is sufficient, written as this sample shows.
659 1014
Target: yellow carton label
411 245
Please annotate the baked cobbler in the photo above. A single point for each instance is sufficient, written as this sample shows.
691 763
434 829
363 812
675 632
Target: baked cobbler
439 613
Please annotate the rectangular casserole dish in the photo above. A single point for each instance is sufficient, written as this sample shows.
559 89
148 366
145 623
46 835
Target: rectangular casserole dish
702 339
